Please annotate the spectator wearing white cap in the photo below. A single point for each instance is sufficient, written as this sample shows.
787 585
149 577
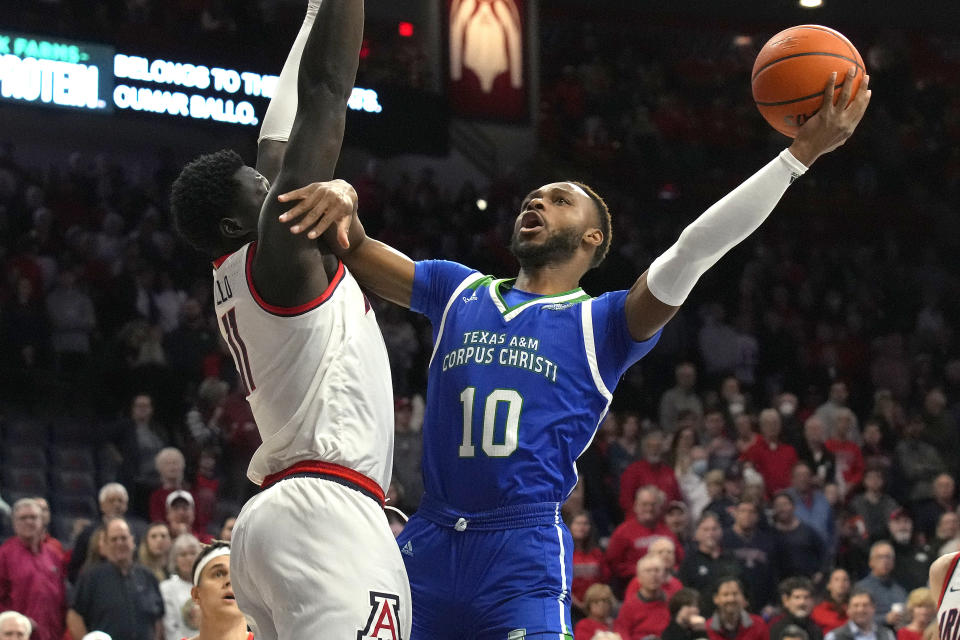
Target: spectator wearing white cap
181 516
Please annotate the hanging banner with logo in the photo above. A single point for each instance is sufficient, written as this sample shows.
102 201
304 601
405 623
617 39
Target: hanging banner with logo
487 77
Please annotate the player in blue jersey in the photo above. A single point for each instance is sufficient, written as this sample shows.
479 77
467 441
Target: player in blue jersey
522 373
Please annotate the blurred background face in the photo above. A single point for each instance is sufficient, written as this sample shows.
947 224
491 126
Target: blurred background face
901 529
713 424
142 409
881 560
663 548
815 430
782 509
709 533
186 555
921 614
802 478
746 516
226 533
943 487
652 447
600 609
873 481
580 527
686 376
948 526
650 573
158 540
678 521
645 506
770 424
729 599
27 523
114 504
118 543
799 603
839 585
860 609
11 629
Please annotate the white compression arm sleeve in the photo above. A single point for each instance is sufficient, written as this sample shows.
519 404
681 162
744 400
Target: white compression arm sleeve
672 276
278 121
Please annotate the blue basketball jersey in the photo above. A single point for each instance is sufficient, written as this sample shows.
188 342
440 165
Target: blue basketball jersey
518 384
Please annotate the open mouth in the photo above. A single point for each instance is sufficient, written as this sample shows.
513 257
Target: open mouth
530 222
229 596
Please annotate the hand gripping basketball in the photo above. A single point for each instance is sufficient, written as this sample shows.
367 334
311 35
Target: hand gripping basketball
830 127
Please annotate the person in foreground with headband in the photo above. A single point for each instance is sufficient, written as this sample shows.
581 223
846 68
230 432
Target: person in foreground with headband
220 617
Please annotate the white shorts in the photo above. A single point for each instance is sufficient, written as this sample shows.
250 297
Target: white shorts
314 559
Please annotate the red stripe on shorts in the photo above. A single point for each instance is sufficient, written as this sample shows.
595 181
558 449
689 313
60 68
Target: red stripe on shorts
321 469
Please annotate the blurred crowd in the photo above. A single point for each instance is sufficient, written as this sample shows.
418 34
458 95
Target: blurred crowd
782 465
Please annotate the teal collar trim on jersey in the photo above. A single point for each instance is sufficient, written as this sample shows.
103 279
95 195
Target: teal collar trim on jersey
509 313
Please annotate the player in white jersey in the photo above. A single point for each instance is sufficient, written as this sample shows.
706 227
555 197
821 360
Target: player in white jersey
945 584
312 554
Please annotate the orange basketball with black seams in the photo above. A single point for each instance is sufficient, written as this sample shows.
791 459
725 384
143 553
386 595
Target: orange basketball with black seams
793 69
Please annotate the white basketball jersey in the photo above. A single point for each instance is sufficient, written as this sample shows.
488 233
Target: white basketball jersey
317 375
948 606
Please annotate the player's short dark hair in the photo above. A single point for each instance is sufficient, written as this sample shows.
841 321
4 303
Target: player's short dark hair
603 218
685 597
794 583
203 193
207 550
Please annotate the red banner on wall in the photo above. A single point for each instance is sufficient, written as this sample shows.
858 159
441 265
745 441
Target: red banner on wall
486 75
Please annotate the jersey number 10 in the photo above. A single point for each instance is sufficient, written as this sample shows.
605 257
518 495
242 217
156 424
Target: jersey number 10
511 435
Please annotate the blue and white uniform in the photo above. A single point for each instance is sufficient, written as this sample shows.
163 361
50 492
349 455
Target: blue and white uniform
518 384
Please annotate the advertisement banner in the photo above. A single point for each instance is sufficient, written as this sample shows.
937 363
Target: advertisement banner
55 72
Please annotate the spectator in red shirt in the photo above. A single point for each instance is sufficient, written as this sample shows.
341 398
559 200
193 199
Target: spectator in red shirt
171 465
48 540
645 612
598 603
850 466
832 612
772 459
920 608
630 541
31 574
731 620
666 550
589 567
650 470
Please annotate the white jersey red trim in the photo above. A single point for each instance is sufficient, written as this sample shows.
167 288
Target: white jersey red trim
948 604
317 374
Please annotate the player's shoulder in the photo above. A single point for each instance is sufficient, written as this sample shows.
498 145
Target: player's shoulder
941 568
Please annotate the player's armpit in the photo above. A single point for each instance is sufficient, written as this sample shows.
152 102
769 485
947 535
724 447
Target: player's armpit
645 313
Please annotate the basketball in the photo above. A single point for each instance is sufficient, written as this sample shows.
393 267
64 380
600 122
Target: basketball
792 70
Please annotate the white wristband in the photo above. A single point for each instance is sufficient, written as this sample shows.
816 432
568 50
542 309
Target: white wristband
673 275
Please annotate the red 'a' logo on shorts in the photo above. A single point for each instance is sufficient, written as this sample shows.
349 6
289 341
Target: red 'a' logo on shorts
384 620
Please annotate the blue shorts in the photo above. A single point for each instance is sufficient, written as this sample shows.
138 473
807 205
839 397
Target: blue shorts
497 575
